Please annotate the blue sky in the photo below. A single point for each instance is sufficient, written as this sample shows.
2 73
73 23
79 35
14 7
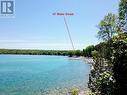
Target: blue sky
34 26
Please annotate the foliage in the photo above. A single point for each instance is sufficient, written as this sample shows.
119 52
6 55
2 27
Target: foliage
87 52
71 53
105 83
99 78
104 50
75 91
42 52
123 15
33 52
94 54
78 53
107 27
120 63
109 73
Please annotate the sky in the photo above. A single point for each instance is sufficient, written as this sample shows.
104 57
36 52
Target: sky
34 27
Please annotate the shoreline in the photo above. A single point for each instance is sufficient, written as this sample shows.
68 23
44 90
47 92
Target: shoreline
87 59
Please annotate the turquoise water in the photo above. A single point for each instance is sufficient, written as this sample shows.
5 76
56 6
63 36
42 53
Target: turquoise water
41 75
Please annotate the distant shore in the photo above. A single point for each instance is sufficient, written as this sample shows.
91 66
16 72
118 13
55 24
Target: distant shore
69 53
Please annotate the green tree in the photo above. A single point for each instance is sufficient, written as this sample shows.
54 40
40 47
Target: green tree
107 27
99 78
71 53
122 15
87 52
78 53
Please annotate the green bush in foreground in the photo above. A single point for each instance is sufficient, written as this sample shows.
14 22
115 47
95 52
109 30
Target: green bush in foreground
120 63
75 91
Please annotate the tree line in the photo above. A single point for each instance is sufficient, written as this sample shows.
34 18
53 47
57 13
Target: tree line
87 52
69 53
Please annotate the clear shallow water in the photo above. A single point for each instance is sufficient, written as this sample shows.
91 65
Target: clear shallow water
41 75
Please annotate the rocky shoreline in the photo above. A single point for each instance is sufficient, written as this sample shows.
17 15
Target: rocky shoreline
86 59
